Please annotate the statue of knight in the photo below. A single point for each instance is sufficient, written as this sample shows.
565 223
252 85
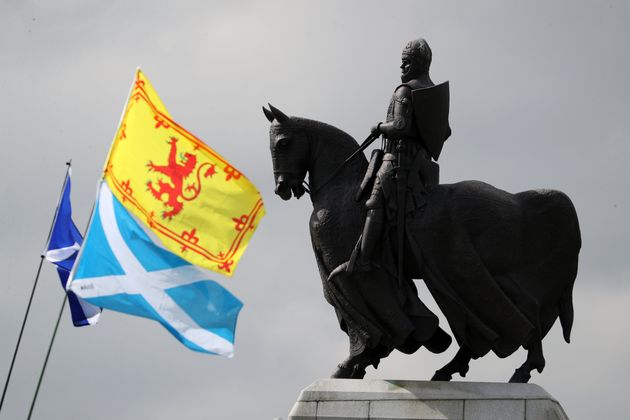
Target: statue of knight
402 172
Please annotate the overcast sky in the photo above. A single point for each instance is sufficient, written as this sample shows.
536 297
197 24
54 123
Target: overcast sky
539 99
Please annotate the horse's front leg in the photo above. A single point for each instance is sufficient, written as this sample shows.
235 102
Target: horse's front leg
459 364
349 369
354 366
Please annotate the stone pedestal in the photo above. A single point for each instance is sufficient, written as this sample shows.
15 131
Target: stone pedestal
390 399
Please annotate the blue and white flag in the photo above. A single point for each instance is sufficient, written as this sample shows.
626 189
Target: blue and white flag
64 243
120 267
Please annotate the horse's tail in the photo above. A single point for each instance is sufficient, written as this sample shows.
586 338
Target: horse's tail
560 220
565 306
565 313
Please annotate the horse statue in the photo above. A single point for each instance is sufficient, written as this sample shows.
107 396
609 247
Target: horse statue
500 266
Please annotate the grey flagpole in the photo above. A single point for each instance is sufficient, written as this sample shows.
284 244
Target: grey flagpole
52 340
30 300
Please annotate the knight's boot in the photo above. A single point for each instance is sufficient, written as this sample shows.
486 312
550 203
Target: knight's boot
372 233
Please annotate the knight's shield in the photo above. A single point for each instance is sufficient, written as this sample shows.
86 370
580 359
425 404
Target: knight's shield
431 107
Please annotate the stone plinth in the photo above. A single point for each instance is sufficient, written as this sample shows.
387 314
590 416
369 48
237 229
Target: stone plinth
391 399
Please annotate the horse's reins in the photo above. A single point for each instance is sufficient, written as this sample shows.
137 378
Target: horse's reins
336 172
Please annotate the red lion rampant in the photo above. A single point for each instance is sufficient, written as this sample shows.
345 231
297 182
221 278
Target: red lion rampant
177 173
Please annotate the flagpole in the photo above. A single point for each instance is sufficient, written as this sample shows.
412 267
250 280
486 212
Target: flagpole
17 346
52 340
30 300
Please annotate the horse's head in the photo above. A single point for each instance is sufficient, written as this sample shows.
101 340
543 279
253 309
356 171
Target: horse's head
289 145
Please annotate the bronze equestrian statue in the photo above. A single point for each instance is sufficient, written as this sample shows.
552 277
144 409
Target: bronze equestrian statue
500 266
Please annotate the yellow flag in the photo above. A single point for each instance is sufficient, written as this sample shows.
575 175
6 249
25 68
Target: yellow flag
201 207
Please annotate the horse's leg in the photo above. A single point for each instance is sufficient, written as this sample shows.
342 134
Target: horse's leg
354 366
535 360
349 369
459 364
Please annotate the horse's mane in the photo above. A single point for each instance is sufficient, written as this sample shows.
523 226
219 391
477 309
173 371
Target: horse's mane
326 132
330 146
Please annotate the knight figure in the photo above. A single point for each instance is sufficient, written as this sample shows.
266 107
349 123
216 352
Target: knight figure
402 172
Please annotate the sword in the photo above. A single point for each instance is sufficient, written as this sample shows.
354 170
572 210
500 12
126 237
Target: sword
401 193
369 140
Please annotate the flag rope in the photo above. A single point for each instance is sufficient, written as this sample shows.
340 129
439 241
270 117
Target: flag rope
30 300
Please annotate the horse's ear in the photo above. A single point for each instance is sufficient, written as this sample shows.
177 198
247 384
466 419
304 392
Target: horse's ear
278 115
268 114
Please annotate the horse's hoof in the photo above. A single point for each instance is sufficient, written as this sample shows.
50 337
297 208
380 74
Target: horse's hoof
441 376
342 372
349 372
358 372
462 372
520 377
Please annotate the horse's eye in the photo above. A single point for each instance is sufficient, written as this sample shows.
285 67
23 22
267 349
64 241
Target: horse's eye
282 144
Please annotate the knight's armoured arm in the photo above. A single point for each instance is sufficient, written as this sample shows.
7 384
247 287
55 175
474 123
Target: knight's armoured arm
401 123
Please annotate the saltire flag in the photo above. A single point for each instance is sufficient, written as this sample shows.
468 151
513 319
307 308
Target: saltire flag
200 206
62 248
122 268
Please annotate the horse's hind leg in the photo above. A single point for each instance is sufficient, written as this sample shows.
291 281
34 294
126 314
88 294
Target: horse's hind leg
535 360
459 364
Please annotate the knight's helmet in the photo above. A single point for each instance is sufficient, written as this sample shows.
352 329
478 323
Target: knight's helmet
419 54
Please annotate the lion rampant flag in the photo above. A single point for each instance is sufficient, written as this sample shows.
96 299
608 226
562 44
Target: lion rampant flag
201 207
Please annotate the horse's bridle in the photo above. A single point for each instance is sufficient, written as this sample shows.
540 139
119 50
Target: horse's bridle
336 172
